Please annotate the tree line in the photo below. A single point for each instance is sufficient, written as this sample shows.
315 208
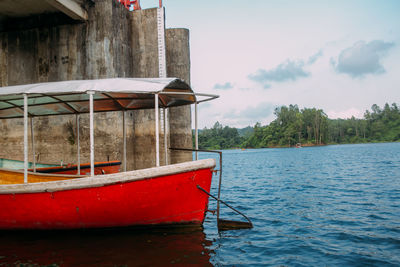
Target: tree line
308 127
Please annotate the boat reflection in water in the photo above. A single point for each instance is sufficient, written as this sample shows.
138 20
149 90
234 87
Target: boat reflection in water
133 247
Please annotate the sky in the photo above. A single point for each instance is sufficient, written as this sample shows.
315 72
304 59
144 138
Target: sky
341 56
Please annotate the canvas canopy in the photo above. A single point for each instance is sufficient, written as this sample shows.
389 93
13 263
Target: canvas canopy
71 97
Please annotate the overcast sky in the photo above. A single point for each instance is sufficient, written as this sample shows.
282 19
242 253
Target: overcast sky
340 56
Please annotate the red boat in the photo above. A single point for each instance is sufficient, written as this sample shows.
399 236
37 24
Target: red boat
161 195
167 194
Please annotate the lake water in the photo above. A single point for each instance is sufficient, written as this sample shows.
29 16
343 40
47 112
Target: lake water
317 206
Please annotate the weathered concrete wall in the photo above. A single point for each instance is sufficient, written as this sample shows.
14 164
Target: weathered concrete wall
113 43
99 48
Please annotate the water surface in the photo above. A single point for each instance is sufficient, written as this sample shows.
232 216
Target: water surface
333 205
316 206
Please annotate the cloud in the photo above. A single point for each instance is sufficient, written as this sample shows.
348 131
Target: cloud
345 114
250 115
287 71
224 86
311 60
362 58
290 70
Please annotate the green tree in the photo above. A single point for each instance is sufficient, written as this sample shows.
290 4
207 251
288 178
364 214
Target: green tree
309 125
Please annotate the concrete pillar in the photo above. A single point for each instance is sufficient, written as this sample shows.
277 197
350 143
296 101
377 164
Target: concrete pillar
145 58
178 65
144 43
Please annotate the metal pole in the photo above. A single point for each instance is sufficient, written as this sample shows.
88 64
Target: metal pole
219 185
25 138
91 93
165 137
33 146
78 148
196 129
157 131
124 138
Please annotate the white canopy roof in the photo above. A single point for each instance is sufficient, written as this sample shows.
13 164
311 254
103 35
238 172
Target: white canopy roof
70 97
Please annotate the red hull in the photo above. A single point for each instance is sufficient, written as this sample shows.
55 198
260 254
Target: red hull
167 199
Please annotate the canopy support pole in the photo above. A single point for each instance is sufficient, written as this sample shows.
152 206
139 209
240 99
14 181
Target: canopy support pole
91 93
165 136
124 138
157 131
25 138
78 146
196 129
33 146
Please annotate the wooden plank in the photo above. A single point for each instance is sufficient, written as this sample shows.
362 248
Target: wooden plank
70 8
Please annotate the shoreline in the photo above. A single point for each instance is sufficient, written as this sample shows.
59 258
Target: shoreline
303 145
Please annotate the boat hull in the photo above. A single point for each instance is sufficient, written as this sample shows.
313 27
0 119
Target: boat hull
169 198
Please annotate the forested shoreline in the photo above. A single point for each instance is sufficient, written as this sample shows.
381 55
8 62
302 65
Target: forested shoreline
308 127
